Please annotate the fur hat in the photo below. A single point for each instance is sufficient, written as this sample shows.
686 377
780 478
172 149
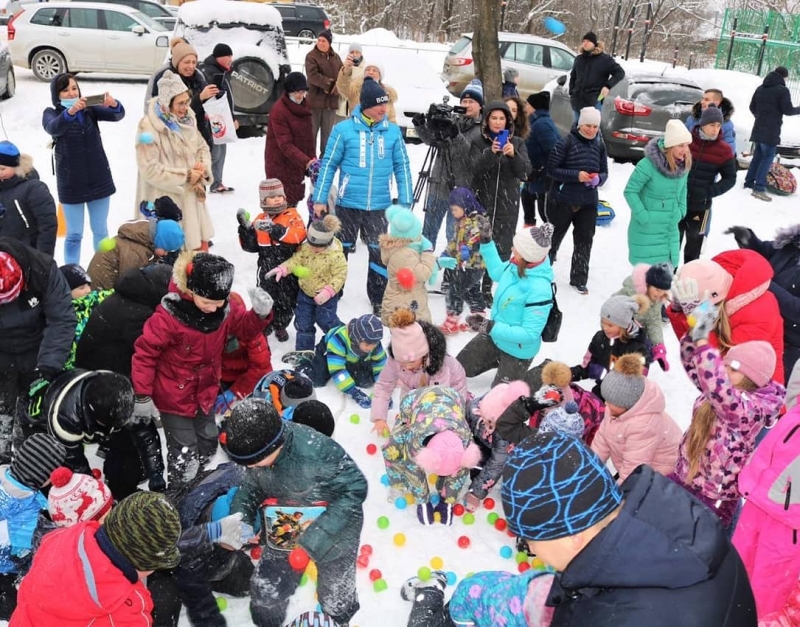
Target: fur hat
509 74
9 154
409 342
710 277
76 498
676 133
295 81
372 94
620 310
209 276
180 49
403 223
590 36
320 232
38 456
533 244
366 328
75 275
659 275
540 101
465 198
108 398
711 115
623 386
222 50
589 116
755 360
253 432
168 236
445 454
11 278
564 419
315 414
285 388
474 90
498 399
169 86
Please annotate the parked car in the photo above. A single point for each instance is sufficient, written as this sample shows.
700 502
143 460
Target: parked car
260 63
54 37
538 61
158 12
634 111
302 20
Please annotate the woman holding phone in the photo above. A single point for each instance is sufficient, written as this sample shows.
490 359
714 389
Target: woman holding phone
83 175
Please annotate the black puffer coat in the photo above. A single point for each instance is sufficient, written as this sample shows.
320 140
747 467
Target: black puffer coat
591 71
30 211
572 155
195 84
770 102
710 158
215 74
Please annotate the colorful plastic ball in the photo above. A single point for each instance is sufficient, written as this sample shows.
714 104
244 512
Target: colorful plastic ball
366 550
304 579
492 518
399 539
464 542
469 518
424 573
523 566
432 479
437 563
301 272
520 557
500 524
410 498
380 585
298 559
400 502
435 498
506 552
406 279
385 480
255 553
488 503
383 522
375 574
537 564
355 419
452 578
222 603
106 244
362 561
97 473
371 449
556 27
458 509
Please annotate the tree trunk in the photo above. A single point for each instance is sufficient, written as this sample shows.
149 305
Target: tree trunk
486 49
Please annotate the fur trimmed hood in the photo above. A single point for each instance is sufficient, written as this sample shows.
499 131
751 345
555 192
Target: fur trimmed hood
726 107
179 273
387 241
437 347
22 172
787 235
654 150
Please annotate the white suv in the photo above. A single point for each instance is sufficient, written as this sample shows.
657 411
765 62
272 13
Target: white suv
55 37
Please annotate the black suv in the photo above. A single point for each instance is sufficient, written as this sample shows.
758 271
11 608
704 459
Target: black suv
302 20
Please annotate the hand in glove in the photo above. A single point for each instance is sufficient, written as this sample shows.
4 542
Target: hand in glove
364 401
36 392
262 224
448 263
547 396
485 229
702 320
312 171
230 532
262 301
741 234
243 217
224 402
278 272
156 483
595 371
685 295
486 326
660 355
324 295
418 119
276 231
465 252
144 409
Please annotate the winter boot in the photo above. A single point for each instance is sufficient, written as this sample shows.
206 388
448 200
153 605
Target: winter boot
452 325
295 358
762 196
475 320
282 335
438 579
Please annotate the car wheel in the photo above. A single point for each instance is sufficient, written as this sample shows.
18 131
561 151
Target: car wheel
253 84
11 84
47 64
306 34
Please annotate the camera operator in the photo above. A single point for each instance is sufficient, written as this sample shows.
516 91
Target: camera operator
451 135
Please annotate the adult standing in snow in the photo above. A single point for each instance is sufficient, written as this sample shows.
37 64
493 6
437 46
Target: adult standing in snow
29 213
510 82
541 140
770 102
174 160
290 149
322 69
349 84
593 75
714 97
216 70
367 150
82 172
352 70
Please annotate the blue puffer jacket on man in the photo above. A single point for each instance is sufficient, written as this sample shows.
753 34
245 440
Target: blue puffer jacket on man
572 155
540 143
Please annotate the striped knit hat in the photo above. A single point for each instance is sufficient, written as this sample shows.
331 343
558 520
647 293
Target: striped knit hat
76 498
10 279
38 456
366 328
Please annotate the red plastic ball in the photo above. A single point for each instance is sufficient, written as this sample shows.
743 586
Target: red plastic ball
375 574
97 473
406 279
366 549
464 542
458 509
523 566
298 559
511 534
488 503
371 449
500 524
362 561
255 553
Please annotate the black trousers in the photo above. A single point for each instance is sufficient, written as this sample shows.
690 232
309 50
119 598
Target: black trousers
692 228
123 466
482 354
371 225
583 219
8 595
530 203
284 296
465 285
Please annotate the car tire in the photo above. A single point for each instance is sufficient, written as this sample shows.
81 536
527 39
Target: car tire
11 84
306 33
47 63
253 85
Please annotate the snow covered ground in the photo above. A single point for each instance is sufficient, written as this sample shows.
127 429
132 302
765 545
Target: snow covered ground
20 122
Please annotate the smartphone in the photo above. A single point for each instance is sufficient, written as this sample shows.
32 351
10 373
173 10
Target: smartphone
93 101
502 138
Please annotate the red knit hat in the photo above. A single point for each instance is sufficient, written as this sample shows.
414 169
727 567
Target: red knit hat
10 279
76 498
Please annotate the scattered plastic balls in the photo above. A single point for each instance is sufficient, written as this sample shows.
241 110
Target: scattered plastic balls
383 522
406 279
506 552
371 449
437 563
366 550
488 503
399 539
424 573
298 559
464 542
458 509
469 518
379 585
107 244
500 524
222 603
523 566
255 553
362 561
538 564
452 578
410 498
520 557
435 498
432 478
385 480
355 419
400 502
492 518
375 574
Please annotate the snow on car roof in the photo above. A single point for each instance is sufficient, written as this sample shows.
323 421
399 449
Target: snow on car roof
206 12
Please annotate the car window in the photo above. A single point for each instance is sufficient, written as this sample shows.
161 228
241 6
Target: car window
286 11
510 52
81 18
46 17
152 9
119 21
309 13
460 45
561 59
663 93
152 25
532 54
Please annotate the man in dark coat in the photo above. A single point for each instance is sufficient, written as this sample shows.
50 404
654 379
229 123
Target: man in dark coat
38 323
322 70
593 75
771 101
216 70
714 97
643 553
713 173
540 141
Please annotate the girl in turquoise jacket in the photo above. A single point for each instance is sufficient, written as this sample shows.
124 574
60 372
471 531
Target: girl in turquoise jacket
522 302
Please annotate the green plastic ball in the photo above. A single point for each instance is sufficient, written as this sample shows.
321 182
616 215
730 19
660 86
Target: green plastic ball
492 518
355 419
222 603
424 573
383 522
468 518
379 585
107 244
301 272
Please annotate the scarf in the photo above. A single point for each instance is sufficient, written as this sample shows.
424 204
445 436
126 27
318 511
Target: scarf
187 313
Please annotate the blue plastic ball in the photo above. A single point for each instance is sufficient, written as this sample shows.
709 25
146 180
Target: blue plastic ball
435 498
506 552
555 26
145 138
385 480
451 578
400 502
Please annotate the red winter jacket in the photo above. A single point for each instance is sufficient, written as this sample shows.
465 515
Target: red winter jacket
73 583
752 310
290 146
244 367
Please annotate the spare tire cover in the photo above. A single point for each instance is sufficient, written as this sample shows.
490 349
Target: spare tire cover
252 83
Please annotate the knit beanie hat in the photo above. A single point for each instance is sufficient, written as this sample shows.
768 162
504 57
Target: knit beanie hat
168 236
554 487
464 198
623 386
711 115
372 94
145 528
564 419
253 432
108 397
169 86
589 116
710 277
180 48
675 134
320 232
474 90
38 456
366 328
540 101
315 414
355 47
509 74
590 36
272 188
75 275
377 66
533 244
409 342
659 275
295 81
445 454
620 310
222 50
498 399
327 34
755 360
76 498
284 388
9 154
209 276
403 223
11 279
782 71
166 209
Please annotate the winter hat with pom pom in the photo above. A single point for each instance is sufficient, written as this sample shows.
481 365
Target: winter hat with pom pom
366 328
559 375
620 310
108 398
498 399
180 49
509 74
533 244
755 360
409 342
709 276
314 414
464 198
209 276
445 455
474 91
38 456
623 386
168 235
11 278
76 498
565 419
403 223
253 432
320 232
169 86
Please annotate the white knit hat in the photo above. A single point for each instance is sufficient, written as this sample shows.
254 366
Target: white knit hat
676 133
169 86
589 116
76 498
533 244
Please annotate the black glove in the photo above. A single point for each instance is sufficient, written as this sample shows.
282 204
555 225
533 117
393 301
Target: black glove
578 373
485 229
451 132
276 231
418 119
243 218
36 392
741 234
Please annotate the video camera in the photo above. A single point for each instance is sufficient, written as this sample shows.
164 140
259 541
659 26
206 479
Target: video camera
442 117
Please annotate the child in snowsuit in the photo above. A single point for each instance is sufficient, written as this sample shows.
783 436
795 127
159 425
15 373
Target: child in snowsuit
737 399
417 358
620 334
177 361
351 355
275 234
287 462
410 264
463 257
321 269
637 428
431 435
292 394
84 300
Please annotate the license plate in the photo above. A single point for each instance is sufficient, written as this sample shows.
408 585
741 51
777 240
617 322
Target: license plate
411 132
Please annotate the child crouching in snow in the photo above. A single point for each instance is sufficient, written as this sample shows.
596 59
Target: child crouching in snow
292 394
431 435
417 358
84 300
321 269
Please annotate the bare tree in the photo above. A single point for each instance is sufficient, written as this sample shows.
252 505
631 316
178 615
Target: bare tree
486 48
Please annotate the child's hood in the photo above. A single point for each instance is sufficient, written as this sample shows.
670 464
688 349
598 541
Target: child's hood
652 401
387 241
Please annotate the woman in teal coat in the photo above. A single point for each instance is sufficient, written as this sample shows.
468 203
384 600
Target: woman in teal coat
656 194
522 302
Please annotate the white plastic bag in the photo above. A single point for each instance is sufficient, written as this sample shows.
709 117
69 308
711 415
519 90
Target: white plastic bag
220 118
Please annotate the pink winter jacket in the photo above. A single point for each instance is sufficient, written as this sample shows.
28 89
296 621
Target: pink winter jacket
645 434
451 374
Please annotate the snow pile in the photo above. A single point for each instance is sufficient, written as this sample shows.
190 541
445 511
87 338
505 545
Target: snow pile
210 12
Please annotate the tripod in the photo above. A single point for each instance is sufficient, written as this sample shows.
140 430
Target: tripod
424 178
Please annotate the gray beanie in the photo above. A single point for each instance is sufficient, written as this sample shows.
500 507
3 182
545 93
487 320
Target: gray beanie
620 310
710 115
320 232
623 386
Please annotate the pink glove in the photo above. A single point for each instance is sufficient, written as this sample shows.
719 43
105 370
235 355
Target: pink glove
278 273
660 355
324 295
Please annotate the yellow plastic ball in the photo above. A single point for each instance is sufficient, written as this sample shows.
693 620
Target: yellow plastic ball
107 244
410 499
437 563
537 563
432 478
399 539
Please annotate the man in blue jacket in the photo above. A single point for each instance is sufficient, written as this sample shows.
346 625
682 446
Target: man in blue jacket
715 97
540 141
367 150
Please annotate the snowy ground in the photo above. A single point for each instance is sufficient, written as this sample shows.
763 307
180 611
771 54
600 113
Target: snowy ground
20 120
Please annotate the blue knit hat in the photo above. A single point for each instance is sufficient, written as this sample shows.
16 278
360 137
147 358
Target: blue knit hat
403 223
9 154
372 94
169 235
464 198
554 487
366 328
474 90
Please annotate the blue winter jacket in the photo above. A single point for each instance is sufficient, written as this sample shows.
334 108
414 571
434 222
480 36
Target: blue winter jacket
540 142
366 157
728 131
572 155
19 511
518 322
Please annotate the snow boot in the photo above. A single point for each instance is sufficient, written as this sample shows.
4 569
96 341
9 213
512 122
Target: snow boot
452 325
438 579
296 358
282 335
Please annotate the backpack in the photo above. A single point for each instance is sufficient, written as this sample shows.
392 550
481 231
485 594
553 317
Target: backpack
605 213
768 480
780 180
